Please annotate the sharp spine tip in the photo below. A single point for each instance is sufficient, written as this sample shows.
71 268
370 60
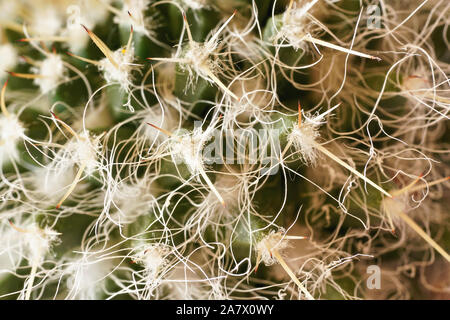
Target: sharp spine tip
85 28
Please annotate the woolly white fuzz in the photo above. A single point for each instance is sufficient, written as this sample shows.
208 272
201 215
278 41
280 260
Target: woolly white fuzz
195 4
10 256
295 24
84 150
8 59
199 61
39 241
28 241
274 240
52 71
413 83
87 276
188 149
9 9
394 206
52 180
77 39
304 140
46 20
11 132
153 258
132 200
122 73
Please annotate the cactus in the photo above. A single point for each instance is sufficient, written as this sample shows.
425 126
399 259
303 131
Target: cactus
238 149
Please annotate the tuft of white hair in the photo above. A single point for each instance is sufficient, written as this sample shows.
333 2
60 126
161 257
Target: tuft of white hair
84 150
274 240
122 73
52 71
304 140
8 59
11 132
